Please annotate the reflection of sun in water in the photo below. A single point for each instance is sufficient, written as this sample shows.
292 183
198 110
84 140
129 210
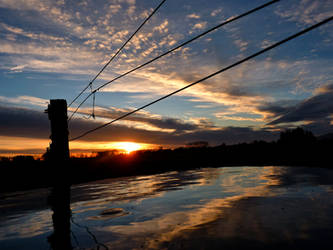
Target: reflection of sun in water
128 146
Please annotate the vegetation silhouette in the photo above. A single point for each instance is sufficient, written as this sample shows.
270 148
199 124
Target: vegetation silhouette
295 147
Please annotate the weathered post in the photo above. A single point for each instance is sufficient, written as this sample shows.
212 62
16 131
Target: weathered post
59 149
58 159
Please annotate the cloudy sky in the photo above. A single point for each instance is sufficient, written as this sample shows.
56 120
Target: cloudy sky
51 50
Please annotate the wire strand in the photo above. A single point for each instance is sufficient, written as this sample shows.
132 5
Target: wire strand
89 232
211 75
174 49
119 50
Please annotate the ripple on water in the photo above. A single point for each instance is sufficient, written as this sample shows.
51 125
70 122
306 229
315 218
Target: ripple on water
110 214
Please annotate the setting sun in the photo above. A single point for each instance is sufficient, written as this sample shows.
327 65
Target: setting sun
122 146
128 146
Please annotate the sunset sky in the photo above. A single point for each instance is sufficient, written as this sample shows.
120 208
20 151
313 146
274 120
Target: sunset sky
51 49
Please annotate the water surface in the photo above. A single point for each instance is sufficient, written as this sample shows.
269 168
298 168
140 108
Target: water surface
208 208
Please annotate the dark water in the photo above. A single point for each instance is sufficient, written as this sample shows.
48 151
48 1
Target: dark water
211 208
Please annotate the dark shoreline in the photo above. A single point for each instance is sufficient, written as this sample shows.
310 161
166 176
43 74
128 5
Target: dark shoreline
24 173
294 148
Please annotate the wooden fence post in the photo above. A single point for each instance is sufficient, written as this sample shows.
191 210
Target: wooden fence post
59 149
58 159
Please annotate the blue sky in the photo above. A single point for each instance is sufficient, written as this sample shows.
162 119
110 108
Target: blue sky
52 49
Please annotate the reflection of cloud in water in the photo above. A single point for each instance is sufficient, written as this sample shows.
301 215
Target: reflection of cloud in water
24 214
209 176
263 221
162 229
209 208
248 181
255 210
27 226
122 190
237 185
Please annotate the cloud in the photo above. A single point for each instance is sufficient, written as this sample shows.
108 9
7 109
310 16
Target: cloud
31 35
26 4
307 12
200 26
24 101
241 44
163 27
193 16
18 122
95 41
314 114
152 122
266 43
278 108
222 90
114 8
219 90
47 59
66 40
235 117
18 68
318 107
31 123
82 35
228 135
228 90
216 12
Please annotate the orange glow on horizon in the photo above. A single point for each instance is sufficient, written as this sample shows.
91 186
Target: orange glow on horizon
12 146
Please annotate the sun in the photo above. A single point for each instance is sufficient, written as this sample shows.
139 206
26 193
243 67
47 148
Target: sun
128 147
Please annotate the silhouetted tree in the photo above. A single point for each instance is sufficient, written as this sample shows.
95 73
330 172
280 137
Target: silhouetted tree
297 136
197 144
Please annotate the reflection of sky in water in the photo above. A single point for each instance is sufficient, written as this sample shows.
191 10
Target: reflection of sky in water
184 209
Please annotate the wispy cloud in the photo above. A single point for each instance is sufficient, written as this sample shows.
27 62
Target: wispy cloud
216 12
200 26
24 100
193 16
307 12
241 44
148 121
41 36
